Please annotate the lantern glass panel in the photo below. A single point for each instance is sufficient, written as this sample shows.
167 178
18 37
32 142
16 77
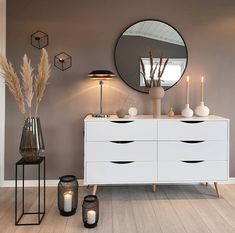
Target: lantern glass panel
67 195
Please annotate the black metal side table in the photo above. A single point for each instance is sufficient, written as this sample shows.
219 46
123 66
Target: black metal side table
39 213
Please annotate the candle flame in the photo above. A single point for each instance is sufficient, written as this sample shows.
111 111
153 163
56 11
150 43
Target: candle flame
202 79
187 78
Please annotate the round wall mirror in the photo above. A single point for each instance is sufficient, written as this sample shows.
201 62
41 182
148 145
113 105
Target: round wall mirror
135 43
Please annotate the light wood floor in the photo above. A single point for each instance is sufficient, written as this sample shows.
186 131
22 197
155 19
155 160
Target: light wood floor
134 209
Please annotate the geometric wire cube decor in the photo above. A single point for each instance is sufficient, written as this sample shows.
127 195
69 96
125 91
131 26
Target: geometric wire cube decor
39 39
63 61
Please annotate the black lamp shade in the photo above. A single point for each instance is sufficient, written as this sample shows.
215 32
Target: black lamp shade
101 74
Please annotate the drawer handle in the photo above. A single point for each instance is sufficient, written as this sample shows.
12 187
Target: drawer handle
192 141
194 161
122 162
121 122
121 142
192 122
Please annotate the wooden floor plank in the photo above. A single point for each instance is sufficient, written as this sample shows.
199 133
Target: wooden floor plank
122 212
165 213
143 210
215 222
223 207
190 219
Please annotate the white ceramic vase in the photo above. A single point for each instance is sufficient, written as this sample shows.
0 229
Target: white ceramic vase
202 110
156 94
187 111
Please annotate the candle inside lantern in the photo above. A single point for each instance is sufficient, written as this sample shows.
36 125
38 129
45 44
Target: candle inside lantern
91 216
68 201
202 87
187 90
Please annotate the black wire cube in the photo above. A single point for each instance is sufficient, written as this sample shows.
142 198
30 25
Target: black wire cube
39 39
90 211
63 61
67 195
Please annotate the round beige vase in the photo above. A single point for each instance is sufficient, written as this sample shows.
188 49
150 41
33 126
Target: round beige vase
156 94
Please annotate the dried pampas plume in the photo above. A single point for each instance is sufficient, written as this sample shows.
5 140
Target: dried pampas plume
39 84
41 78
12 82
27 77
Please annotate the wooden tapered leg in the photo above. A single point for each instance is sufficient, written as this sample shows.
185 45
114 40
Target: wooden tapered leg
154 187
216 189
94 189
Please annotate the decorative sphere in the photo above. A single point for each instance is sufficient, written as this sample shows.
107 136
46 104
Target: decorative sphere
121 113
133 111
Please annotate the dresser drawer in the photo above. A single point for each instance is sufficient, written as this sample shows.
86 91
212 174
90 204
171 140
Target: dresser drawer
115 173
192 130
121 130
192 150
199 171
121 151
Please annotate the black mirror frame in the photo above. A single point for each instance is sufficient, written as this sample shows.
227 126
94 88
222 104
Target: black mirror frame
186 50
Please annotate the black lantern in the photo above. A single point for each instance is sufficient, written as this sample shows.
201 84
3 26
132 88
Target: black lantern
90 211
67 195
39 39
63 61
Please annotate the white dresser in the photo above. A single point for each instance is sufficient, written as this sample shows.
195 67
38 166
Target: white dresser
148 150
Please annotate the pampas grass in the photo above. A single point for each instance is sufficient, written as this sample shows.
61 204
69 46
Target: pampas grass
28 81
27 77
12 82
41 78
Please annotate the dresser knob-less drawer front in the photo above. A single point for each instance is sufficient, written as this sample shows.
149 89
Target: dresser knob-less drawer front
192 130
197 170
117 172
121 130
192 150
121 151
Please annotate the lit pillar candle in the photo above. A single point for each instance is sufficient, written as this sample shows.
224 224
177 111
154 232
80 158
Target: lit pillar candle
91 216
187 90
68 202
202 89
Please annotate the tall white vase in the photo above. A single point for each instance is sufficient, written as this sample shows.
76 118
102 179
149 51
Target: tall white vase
156 94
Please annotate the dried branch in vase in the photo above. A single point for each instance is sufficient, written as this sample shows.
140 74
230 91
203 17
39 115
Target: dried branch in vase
151 82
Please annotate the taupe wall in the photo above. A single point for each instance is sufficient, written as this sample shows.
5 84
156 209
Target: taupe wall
88 30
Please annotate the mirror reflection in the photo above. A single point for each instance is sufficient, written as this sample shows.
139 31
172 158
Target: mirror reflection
135 43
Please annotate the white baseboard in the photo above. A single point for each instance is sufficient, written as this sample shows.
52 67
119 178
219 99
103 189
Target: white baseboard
54 183
34 183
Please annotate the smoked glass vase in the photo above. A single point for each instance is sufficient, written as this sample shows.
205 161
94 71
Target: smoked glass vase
31 144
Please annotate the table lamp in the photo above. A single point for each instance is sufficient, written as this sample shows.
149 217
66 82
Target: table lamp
101 75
